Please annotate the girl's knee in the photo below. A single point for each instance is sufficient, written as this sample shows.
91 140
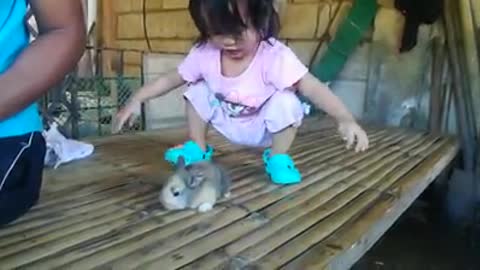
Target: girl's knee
286 101
198 101
284 110
285 105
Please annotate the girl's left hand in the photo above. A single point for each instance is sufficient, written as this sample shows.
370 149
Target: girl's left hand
351 131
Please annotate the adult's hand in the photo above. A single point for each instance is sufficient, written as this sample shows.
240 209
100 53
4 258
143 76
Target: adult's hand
56 51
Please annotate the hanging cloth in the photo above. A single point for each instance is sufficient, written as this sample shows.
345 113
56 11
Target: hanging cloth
417 12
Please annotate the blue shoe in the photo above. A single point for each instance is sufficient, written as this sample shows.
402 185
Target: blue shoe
281 169
191 153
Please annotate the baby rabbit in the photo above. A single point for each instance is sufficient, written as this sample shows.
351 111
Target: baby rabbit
196 186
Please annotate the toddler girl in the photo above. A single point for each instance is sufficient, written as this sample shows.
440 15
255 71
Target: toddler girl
242 82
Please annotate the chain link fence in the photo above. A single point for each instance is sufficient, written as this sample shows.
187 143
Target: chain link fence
85 103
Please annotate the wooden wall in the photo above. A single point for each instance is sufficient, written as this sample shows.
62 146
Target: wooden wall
166 32
170 29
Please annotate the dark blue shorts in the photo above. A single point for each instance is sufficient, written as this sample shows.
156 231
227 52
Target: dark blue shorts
21 169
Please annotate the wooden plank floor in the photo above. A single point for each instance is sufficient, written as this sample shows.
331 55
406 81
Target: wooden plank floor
103 212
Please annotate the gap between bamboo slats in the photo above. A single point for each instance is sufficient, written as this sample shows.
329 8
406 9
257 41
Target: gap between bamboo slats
87 259
139 237
357 233
85 214
56 216
319 158
311 169
59 216
199 248
250 157
220 142
117 144
79 222
379 169
66 256
325 169
29 250
325 149
325 152
309 199
65 203
309 145
250 182
97 221
301 143
82 191
79 173
86 241
321 230
75 203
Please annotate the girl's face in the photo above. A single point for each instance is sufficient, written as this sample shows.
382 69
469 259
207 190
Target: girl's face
243 44
236 27
237 47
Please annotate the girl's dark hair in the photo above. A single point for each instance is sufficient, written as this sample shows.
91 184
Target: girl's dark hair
223 17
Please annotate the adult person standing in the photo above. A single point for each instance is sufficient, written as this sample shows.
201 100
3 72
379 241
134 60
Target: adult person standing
27 71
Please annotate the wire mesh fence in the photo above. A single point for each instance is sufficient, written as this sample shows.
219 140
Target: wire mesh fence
86 101
84 105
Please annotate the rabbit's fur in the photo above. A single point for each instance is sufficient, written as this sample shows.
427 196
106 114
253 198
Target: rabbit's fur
196 186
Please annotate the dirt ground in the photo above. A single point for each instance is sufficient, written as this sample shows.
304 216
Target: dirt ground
421 241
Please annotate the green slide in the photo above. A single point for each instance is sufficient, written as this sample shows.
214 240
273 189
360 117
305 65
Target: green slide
349 35
347 38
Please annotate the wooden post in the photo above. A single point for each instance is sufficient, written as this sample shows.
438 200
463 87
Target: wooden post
436 88
471 56
476 12
106 33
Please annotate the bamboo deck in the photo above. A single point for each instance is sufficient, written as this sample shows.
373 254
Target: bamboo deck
103 213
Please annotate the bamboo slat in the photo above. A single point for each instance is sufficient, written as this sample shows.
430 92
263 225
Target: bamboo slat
112 218
73 224
116 242
173 262
125 261
321 230
361 233
307 199
47 219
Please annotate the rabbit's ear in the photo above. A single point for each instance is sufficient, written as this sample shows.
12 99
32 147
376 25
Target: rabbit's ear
181 162
226 181
192 182
195 180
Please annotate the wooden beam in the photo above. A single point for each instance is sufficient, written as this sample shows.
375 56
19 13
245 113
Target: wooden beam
471 56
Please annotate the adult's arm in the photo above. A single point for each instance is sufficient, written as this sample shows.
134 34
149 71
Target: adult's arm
56 51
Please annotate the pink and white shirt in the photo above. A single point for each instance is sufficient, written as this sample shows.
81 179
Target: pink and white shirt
274 68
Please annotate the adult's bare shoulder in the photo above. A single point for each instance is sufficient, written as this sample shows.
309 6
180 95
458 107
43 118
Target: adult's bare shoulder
54 15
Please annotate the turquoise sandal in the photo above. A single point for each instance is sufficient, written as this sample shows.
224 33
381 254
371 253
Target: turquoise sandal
281 169
191 153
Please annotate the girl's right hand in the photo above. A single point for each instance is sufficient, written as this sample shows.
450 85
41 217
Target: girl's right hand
129 114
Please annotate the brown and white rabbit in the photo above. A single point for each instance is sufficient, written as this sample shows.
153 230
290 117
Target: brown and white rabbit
197 186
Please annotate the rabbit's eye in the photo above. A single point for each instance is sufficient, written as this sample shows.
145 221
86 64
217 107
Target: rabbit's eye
175 192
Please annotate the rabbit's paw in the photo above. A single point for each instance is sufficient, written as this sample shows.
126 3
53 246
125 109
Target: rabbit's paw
205 207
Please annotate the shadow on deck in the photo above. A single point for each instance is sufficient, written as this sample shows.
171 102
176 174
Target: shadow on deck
103 212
